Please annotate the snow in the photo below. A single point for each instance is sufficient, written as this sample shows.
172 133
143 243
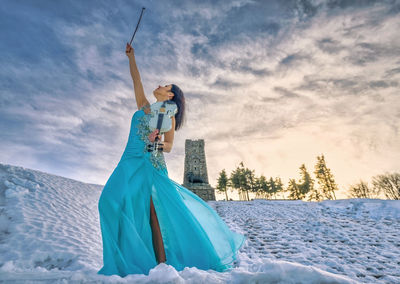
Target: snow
49 232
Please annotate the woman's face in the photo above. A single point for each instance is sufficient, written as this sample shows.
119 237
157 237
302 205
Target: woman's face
163 93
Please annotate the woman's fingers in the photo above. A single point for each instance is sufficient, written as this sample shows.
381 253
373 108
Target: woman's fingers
153 135
129 49
152 139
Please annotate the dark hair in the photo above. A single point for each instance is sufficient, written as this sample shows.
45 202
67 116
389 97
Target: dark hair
179 99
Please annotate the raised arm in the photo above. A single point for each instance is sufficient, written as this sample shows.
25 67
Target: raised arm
141 99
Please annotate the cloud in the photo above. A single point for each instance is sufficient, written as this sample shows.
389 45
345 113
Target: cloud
254 73
286 93
330 45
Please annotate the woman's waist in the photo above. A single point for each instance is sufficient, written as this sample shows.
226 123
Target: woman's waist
138 149
156 159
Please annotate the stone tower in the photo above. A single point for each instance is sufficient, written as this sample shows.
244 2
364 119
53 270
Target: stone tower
195 176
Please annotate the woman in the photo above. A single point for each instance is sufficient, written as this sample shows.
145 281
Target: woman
145 217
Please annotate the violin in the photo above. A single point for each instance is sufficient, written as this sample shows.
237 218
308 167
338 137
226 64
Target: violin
161 118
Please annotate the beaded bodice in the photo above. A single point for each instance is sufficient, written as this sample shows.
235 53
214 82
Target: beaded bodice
139 139
157 159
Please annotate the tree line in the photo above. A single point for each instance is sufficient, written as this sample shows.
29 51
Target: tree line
244 180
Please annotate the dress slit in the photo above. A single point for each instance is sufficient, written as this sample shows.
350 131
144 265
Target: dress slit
158 243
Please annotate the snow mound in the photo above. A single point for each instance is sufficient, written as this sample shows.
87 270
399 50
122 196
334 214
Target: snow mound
49 232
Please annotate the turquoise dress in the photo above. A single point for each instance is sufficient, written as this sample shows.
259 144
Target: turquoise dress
193 233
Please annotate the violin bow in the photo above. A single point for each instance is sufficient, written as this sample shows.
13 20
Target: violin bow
137 25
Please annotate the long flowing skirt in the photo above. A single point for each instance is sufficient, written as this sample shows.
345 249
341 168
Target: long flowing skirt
192 232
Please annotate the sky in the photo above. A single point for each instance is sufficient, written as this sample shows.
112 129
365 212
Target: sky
271 83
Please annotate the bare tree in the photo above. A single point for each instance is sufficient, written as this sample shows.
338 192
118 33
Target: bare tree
361 190
389 184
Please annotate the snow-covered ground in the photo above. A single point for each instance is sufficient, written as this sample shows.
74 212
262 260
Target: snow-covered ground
49 232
